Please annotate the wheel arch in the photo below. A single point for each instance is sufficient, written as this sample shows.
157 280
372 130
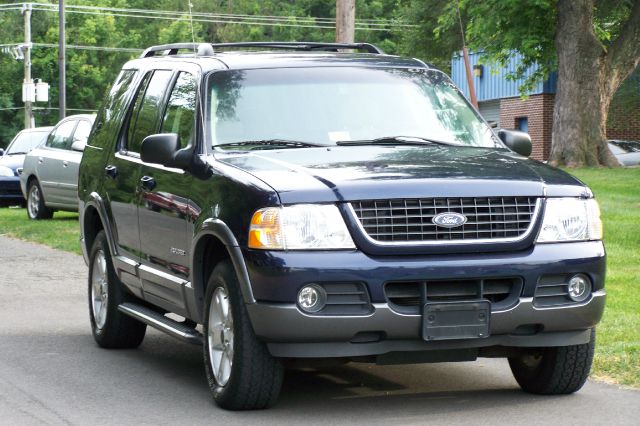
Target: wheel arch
215 242
93 219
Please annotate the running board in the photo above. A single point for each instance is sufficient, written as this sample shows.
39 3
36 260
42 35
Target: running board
162 323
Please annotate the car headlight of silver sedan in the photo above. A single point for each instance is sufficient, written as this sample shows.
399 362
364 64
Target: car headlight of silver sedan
570 219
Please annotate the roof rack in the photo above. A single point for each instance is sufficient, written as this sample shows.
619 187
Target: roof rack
207 49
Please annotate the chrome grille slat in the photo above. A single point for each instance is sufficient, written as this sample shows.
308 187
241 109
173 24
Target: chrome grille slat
410 220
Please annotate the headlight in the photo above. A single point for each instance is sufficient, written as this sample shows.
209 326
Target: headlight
5 171
570 219
299 227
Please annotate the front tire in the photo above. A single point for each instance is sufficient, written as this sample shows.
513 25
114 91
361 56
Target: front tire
36 208
111 328
241 372
555 370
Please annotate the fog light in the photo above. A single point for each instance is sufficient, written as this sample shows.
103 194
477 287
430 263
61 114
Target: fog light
312 298
579 287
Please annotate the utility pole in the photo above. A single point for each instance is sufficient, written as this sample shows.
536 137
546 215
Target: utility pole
345 20
28 109
62 73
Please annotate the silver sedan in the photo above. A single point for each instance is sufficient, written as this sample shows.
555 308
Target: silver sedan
49 179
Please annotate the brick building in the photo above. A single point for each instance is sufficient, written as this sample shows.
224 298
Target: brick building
500 102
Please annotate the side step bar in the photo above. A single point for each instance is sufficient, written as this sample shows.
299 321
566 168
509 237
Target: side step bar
162 323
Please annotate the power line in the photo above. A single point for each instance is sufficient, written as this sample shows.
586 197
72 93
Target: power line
266 20
370 21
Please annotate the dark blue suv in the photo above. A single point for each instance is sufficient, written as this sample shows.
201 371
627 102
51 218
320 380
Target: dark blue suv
306 200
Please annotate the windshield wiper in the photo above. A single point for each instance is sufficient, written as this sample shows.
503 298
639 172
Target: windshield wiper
17 153
397 140
275 143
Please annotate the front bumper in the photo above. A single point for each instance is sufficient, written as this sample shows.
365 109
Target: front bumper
10 191
277 277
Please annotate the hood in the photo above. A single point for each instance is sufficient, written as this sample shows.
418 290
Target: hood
347 173
12 161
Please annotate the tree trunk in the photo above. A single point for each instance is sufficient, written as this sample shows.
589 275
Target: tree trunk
584 93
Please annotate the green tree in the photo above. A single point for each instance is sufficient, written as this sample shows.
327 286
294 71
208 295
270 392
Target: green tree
593 44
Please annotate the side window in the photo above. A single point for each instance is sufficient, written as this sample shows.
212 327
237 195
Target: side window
61 137
179 117
144 116
82 131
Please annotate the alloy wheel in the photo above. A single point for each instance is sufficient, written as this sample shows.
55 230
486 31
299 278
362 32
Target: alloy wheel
99 289
220 336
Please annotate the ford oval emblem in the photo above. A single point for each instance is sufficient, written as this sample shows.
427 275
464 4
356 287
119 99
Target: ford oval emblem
449 219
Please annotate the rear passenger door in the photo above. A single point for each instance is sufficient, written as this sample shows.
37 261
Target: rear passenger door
164 210
50 163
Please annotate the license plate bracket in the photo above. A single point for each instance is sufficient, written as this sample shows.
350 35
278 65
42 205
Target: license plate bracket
456 320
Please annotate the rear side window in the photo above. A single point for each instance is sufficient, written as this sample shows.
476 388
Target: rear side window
114 105
179 117
61 136
144 116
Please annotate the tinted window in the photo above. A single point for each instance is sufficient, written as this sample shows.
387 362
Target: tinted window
627 146
26 141
115 98
61 137
179 116
146 112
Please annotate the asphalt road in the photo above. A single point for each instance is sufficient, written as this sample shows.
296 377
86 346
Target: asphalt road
51 372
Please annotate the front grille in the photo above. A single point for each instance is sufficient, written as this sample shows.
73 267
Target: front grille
409 296
411 220
346 299
552 290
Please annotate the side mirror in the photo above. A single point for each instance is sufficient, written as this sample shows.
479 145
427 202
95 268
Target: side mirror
1 152
516 141
160 149
78 145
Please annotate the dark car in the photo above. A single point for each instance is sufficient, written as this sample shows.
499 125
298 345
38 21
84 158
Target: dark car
11 161
308 202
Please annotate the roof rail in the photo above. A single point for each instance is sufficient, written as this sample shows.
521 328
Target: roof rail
207 49
303 45
200 49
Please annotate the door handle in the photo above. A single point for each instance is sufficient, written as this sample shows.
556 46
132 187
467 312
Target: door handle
148 183
65 163
40 160
111 171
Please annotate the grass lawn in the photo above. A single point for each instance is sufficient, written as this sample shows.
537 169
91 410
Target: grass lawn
618 192
62 232
618 340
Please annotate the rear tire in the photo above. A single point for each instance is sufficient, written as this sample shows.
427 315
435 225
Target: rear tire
555 370
111 328
36 208
241 372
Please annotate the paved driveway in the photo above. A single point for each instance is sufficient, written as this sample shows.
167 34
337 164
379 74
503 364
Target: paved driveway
51 372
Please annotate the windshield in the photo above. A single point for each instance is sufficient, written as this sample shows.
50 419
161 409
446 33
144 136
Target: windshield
26 141
337 104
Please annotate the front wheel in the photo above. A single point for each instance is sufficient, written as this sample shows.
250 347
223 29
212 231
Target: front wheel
241 372
36 209
555 370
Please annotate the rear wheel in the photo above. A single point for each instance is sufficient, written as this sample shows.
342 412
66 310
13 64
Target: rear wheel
241 372
36 209
111 328
554 370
